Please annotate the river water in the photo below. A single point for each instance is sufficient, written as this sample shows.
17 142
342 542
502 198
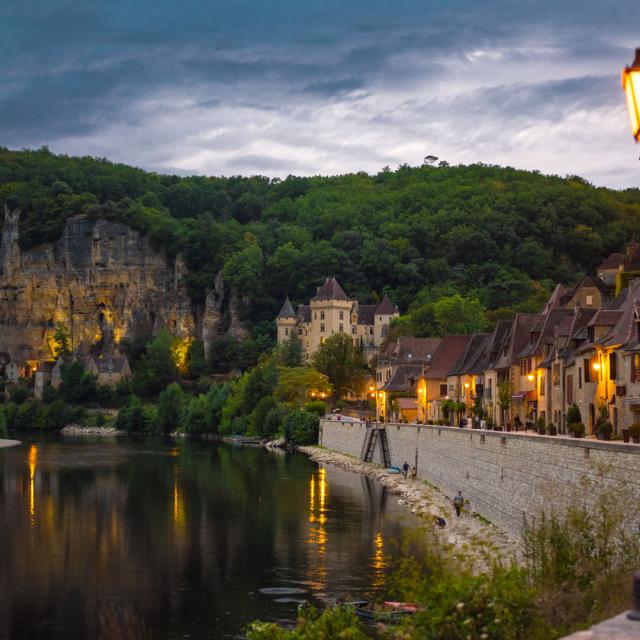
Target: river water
195 539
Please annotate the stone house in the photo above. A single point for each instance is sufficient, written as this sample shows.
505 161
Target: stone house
465 380
42 377
433 387
19 369
400 365
109 370
332 311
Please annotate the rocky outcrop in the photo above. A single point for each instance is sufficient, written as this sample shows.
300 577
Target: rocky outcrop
104 281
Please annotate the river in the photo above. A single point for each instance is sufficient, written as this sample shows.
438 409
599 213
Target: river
196 539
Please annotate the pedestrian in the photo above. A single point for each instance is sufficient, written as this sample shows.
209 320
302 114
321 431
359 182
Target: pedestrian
441 522
405 469
458 501
414 473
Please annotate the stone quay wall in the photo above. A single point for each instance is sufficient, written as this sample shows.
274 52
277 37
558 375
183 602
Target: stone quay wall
505 476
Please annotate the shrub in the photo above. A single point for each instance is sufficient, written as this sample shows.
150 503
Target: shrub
135 418
57 415
258 418
576 428
196 417
540 425
29 415
605 429
18 394
634 430
316 406
552 430
573 414
273 422
301 427
170 406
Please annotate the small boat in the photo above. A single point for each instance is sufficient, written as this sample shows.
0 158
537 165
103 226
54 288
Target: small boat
388 611
393 470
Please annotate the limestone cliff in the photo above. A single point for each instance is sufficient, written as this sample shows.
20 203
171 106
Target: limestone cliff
102 280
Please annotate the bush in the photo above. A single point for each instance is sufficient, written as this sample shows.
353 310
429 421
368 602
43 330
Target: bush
576 428
274 420
634 430
605 429
301 427
135 418
573 414
258 418
196 418
57 415
540 425
318 407
29 415
19 394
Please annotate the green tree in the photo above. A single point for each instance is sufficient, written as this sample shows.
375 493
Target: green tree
196 363
77 385
157 367
301 427
135 417
297 385
61 341
339 360
196 417
170 406
290 352
456 314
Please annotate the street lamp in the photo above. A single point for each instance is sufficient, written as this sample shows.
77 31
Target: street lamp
631 86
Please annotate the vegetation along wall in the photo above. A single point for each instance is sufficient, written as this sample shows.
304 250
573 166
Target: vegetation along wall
505 476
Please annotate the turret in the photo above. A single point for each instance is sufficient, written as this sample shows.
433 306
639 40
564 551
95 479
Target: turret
286 321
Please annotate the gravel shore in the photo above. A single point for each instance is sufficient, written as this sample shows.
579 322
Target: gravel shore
77 430
470 535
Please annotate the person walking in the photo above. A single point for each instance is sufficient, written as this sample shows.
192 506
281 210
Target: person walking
458 502
405 469
414 473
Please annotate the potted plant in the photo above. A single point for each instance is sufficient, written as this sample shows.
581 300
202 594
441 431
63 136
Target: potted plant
551 429
508 426
489 423
540 426
634 432
577 429
625 435
605 429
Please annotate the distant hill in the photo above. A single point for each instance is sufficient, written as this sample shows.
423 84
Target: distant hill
497 234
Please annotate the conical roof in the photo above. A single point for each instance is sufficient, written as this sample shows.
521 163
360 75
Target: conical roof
385 308
330 290
287 310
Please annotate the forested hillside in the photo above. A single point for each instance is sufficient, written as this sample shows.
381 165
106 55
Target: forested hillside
498 236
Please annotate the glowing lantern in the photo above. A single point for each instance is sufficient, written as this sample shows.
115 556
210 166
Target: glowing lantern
596 366
631 86
530 377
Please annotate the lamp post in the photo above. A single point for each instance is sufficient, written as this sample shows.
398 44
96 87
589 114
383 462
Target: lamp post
631 86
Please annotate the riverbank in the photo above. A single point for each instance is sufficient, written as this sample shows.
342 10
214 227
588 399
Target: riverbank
470 535
77 430
9 443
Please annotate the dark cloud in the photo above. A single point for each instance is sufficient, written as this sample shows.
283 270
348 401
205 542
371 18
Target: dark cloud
320 86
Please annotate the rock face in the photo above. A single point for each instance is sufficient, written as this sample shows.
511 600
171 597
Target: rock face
102 280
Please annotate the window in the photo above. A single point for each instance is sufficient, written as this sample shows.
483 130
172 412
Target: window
489 385
613 365
383 331
353 330
286 331
570 389
315 315
342 315
370 331
322 315
322 327
556 374
299 332
589 300
579 378
443 390
341 327
542 384
635 367
587 370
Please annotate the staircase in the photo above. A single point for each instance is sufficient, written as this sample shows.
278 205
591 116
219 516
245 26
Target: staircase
384 442
369 444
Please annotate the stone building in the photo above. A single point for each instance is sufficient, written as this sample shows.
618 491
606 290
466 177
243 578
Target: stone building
109 370
332 311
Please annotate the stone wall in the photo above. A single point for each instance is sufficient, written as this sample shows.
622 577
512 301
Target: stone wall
505 476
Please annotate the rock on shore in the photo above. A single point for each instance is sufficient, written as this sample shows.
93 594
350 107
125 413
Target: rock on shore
471 535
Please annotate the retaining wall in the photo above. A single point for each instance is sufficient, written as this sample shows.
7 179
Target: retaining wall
505 476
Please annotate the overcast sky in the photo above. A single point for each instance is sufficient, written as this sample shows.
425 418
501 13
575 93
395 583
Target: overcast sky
303 87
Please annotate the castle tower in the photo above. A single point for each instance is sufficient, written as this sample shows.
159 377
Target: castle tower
286 321
384 313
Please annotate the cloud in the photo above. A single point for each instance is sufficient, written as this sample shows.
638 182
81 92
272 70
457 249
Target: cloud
285 87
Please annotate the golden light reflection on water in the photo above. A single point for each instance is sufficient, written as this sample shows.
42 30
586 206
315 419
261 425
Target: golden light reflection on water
318 537
179 518
378 562
33 462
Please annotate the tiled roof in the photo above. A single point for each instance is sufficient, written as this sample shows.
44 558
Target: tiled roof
605 318
517 338
545 330
366 313
110 364
447 354
385 308
403 377
612 262
408 350
468 362
556 298
287 310
304 313
330 290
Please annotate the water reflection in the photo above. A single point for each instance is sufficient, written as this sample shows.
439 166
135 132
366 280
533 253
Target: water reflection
195 537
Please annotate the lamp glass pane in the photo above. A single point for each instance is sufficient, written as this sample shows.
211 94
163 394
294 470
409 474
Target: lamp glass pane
632 91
